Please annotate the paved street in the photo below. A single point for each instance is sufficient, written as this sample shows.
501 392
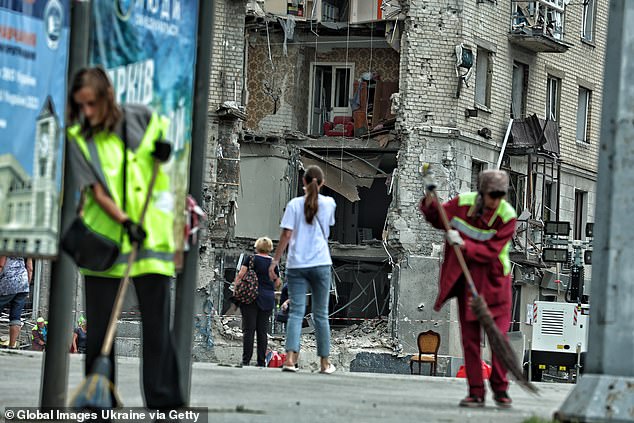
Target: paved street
267 395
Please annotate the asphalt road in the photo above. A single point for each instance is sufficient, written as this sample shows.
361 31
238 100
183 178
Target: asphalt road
232 394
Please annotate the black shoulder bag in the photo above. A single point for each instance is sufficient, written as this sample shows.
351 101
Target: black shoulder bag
88 249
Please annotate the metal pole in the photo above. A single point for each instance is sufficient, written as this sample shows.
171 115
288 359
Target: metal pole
530 360
187 280
64 273
604 392
506 140
37 282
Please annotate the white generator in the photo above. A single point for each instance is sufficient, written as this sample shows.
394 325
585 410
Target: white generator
558 328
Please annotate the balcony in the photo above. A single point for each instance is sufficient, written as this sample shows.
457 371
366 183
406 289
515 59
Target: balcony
539 26
334 11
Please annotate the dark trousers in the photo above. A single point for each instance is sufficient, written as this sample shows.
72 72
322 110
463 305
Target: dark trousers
160 370
471 331
254 321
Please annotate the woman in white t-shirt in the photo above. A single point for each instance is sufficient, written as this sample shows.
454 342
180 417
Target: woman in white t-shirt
305 230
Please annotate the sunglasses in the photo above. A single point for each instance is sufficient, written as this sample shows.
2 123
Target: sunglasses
497 194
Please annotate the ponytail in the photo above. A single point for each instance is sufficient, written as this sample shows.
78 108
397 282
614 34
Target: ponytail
312 180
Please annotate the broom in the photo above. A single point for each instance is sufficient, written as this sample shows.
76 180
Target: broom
97 391
499 344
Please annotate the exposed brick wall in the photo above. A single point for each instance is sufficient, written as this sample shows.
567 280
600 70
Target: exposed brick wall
221 171
226 74
428 98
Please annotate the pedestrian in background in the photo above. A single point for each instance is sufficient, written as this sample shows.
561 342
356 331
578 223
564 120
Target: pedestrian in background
16 274
257 315
112 150
305 230
483 224
80 335
39 335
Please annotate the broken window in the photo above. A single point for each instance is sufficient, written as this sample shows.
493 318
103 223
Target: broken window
519 90
549 213
363 290
581 205
589 9
543 17
359 184
476 167
331 89
516 191
583 114
372 10
484 74
553 94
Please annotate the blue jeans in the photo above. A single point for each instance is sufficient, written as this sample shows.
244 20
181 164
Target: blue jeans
16 305
318 278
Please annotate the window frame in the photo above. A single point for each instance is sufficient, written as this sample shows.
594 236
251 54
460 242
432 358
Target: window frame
335 111
524 69
474 176
549 98
589 8
580 214
587 114
483 54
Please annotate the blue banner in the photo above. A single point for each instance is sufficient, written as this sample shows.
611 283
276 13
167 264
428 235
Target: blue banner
34 38
148 48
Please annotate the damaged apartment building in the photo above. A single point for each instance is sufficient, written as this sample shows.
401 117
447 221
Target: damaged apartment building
370 90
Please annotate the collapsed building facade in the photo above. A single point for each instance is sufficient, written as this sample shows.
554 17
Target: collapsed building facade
370 90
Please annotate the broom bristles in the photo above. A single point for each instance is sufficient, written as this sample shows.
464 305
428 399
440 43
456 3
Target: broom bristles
499 344
96 392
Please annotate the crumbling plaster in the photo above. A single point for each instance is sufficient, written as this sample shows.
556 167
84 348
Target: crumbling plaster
289 76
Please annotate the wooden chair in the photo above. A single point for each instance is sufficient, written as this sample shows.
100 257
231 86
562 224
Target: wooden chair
428 345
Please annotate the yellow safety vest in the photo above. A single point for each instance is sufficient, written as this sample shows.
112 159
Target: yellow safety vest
105 155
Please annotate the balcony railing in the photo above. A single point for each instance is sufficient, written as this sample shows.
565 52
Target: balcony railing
539 25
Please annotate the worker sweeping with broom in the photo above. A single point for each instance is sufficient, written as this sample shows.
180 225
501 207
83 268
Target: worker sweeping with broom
479 226
115 152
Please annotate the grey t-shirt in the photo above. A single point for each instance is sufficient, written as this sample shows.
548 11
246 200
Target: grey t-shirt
137 118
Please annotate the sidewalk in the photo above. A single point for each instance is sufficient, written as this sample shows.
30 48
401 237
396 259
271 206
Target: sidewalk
268 395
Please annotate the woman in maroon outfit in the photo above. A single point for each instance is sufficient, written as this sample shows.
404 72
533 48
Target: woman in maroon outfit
482 224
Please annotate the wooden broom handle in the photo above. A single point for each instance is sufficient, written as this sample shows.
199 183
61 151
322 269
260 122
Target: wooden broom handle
108 340
456 248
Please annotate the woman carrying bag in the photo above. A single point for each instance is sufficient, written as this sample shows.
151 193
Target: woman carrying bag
256 315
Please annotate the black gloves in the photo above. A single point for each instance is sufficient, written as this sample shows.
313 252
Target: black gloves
162 151
136 233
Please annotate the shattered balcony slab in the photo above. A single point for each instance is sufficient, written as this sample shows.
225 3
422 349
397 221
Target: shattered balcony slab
538 42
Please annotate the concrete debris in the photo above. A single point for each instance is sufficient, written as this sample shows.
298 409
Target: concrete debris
369 335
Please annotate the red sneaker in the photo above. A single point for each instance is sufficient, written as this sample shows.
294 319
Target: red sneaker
502 400
472 401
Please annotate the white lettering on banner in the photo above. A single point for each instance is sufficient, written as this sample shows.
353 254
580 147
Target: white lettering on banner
12 75
177 127
156 25
165 9
26 101
134 83
7 74
27 80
